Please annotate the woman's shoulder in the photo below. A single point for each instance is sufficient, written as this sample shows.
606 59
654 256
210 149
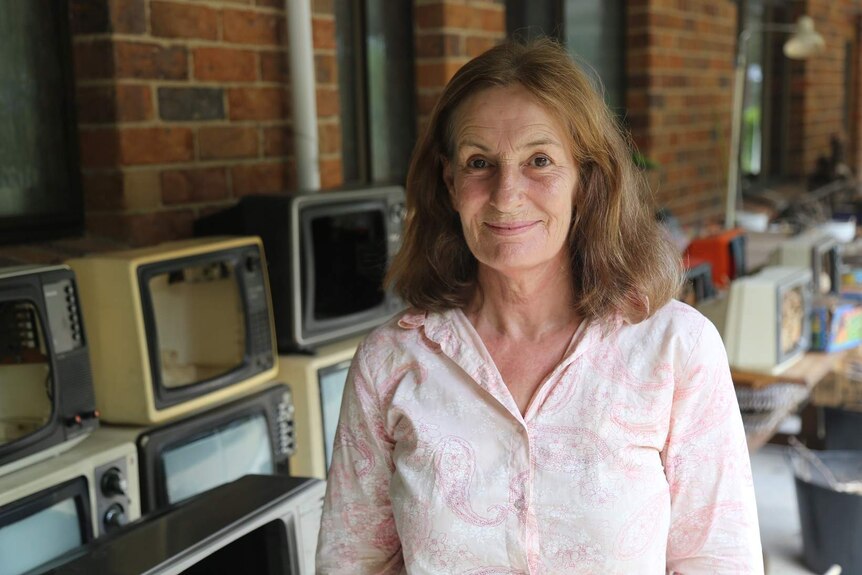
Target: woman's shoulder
397 335
677 321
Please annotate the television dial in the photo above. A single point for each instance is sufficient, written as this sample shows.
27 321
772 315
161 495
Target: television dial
114 483
115 517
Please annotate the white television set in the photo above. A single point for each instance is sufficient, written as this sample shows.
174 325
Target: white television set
765 319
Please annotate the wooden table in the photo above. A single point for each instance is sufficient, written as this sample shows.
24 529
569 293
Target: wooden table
784 393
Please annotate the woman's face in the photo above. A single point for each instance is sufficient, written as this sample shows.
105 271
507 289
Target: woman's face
512 180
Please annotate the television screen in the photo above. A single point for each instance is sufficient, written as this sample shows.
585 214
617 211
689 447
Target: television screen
42 527
40 192
196 340
349 255
332 381
792 318
225 453
25 371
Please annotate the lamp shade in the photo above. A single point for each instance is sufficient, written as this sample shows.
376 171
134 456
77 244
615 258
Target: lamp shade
805 41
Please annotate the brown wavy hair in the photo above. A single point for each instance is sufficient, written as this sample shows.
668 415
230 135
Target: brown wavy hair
621 261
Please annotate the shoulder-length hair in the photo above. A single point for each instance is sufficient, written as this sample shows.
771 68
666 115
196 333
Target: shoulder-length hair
621 262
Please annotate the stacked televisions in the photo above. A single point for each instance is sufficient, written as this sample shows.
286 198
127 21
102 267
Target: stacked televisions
765 318
58 476
327 254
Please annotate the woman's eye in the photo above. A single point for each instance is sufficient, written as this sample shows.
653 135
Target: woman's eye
477 163
541 161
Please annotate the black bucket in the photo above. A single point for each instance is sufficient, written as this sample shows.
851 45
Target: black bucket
831 520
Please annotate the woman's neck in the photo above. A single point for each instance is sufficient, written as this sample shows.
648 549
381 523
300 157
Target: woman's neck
523 307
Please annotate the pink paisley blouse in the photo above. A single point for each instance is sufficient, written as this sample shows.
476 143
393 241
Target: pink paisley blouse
631 457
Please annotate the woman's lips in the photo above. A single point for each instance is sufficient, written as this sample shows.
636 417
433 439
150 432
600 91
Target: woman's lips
510 228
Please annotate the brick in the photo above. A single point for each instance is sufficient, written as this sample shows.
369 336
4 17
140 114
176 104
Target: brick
330 138
437 45
225 65
150 61
436 74
141 189
191 104
157 227
102 190
256 103
247 27
99 148
331 174
278 141
270 3
274 68
323 33
172 20
227 142
267 178
323 7
328 103
194 186
134 102
89 17
476 45
325 69
128 16
155 145
93 60
108 104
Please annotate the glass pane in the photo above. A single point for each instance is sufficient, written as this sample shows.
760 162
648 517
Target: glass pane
351 98
26 387
200 322
389 65
39 538
33 123
225 454
595 35
350 253
331 389
752 106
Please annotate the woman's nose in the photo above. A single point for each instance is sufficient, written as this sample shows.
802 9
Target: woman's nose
507 191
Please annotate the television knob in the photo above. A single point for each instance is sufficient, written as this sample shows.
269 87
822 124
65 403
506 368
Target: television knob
114 518
113 483
252 264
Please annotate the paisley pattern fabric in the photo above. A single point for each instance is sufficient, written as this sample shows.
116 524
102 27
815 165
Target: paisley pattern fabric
631 457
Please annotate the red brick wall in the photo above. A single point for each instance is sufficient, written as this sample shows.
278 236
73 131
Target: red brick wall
819 87
185 105
447 33
680 77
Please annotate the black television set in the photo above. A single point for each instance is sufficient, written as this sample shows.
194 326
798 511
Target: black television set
47 402
261 524
40 181
178 460
327 254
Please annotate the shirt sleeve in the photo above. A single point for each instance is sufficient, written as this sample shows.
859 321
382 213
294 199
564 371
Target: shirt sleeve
357 532
714 526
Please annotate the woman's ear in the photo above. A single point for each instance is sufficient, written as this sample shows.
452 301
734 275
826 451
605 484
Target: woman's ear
449 180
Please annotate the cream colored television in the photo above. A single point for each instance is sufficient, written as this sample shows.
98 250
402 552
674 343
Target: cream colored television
317 382
176 327
819 251
765 319
60 504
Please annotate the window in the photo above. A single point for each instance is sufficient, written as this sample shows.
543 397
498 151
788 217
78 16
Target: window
375 74
593 31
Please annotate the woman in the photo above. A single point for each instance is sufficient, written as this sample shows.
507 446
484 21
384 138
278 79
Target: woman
544 407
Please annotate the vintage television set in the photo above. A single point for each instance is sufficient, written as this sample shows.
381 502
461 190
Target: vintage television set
765 319
46 389
698 286
725 251
260 524
317 382
60 504
817 250
177 460
176 327
327 254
